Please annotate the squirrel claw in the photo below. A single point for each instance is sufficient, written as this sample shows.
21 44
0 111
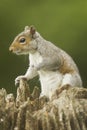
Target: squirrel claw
17 80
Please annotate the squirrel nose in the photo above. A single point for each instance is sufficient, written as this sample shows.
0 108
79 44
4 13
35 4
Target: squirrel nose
11 49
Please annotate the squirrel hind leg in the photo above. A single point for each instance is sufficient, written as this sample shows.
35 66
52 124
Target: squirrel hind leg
73 80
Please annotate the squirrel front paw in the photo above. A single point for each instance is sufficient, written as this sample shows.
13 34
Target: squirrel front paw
17 80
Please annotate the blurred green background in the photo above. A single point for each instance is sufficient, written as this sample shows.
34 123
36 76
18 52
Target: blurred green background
64 22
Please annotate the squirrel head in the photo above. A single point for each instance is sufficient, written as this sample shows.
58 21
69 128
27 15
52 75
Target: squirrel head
25 41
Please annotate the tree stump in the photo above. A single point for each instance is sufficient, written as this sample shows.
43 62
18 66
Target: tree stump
66 111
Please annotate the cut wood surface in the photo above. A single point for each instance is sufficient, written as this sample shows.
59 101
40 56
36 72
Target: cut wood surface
66 111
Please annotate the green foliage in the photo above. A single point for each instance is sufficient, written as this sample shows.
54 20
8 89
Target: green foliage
64 22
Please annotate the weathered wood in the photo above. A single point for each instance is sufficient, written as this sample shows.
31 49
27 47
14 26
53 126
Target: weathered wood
66 111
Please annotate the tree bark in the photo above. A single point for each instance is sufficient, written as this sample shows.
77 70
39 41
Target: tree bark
66 111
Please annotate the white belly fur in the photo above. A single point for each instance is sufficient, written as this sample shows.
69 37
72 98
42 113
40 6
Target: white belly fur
50 81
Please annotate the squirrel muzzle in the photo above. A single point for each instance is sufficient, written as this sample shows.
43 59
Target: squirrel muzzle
11 48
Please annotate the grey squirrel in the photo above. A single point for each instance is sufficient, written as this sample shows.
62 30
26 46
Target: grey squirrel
53 65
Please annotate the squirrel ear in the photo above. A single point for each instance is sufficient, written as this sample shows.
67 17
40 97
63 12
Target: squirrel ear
32 30
27 28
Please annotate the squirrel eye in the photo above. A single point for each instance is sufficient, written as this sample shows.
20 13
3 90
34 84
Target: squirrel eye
22 40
